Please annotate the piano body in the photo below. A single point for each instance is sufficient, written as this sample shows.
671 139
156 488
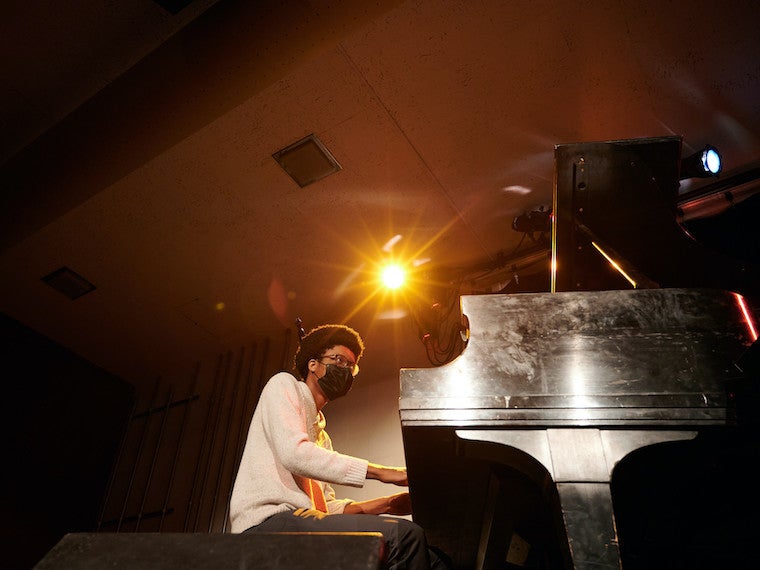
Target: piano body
525 442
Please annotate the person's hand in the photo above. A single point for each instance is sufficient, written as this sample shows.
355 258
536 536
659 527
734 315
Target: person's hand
400 504
393 475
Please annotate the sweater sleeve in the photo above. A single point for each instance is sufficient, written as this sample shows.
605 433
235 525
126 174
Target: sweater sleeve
334 506
285 426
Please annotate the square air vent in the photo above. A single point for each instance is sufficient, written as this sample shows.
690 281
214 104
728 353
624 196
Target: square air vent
307 161
68 282
174 6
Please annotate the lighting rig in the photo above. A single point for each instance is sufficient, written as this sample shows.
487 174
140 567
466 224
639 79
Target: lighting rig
526 268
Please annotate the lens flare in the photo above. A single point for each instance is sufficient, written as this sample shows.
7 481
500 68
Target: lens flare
393 276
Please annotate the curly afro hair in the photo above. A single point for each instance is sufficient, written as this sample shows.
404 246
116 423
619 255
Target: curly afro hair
321 338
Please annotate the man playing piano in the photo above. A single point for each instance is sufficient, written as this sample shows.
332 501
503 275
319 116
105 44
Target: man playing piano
284 480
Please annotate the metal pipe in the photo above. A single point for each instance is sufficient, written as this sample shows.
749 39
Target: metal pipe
174 404
212 444
116 465
285 349
178 446
262 369
260 386
240 434
217 374
153 460
138 456
225 440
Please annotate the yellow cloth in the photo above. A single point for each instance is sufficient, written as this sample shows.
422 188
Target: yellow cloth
316 495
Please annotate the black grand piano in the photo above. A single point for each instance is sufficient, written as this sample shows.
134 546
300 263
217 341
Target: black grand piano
608 422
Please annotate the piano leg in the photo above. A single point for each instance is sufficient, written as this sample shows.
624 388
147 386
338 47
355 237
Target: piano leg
521 524
589 524
580 462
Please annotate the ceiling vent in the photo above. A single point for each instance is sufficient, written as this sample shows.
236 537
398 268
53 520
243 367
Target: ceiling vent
68 282
173 6
307 161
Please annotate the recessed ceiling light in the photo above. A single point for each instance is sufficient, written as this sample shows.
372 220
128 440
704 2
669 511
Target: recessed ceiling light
307 161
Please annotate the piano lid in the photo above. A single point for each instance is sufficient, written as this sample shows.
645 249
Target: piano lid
622 197
579 358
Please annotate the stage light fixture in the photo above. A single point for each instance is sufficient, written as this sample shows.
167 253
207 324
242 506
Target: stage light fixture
393 276
702 164
536 221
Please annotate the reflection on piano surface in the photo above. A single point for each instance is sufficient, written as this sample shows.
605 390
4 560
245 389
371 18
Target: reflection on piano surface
595 425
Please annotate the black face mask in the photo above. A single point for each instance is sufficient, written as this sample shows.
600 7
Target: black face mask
336 382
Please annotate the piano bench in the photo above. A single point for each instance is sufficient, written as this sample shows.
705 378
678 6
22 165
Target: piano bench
185 551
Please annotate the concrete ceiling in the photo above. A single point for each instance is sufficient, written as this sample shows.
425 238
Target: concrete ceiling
137 151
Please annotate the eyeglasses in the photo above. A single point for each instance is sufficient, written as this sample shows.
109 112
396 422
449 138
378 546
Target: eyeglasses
343 362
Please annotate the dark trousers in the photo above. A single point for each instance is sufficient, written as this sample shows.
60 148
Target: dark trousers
405 544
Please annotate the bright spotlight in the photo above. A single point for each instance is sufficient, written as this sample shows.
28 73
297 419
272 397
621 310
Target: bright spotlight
393 276
701 164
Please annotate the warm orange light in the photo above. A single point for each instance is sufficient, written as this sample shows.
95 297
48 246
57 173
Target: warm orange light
615 265
393 276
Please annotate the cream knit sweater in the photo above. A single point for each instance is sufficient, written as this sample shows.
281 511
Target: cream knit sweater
286 444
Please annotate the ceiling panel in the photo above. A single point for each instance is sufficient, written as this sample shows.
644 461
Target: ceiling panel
159 185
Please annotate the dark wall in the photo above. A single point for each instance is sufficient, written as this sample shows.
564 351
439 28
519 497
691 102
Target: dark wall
63 420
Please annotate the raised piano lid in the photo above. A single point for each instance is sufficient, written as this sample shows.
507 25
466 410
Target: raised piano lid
648 357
